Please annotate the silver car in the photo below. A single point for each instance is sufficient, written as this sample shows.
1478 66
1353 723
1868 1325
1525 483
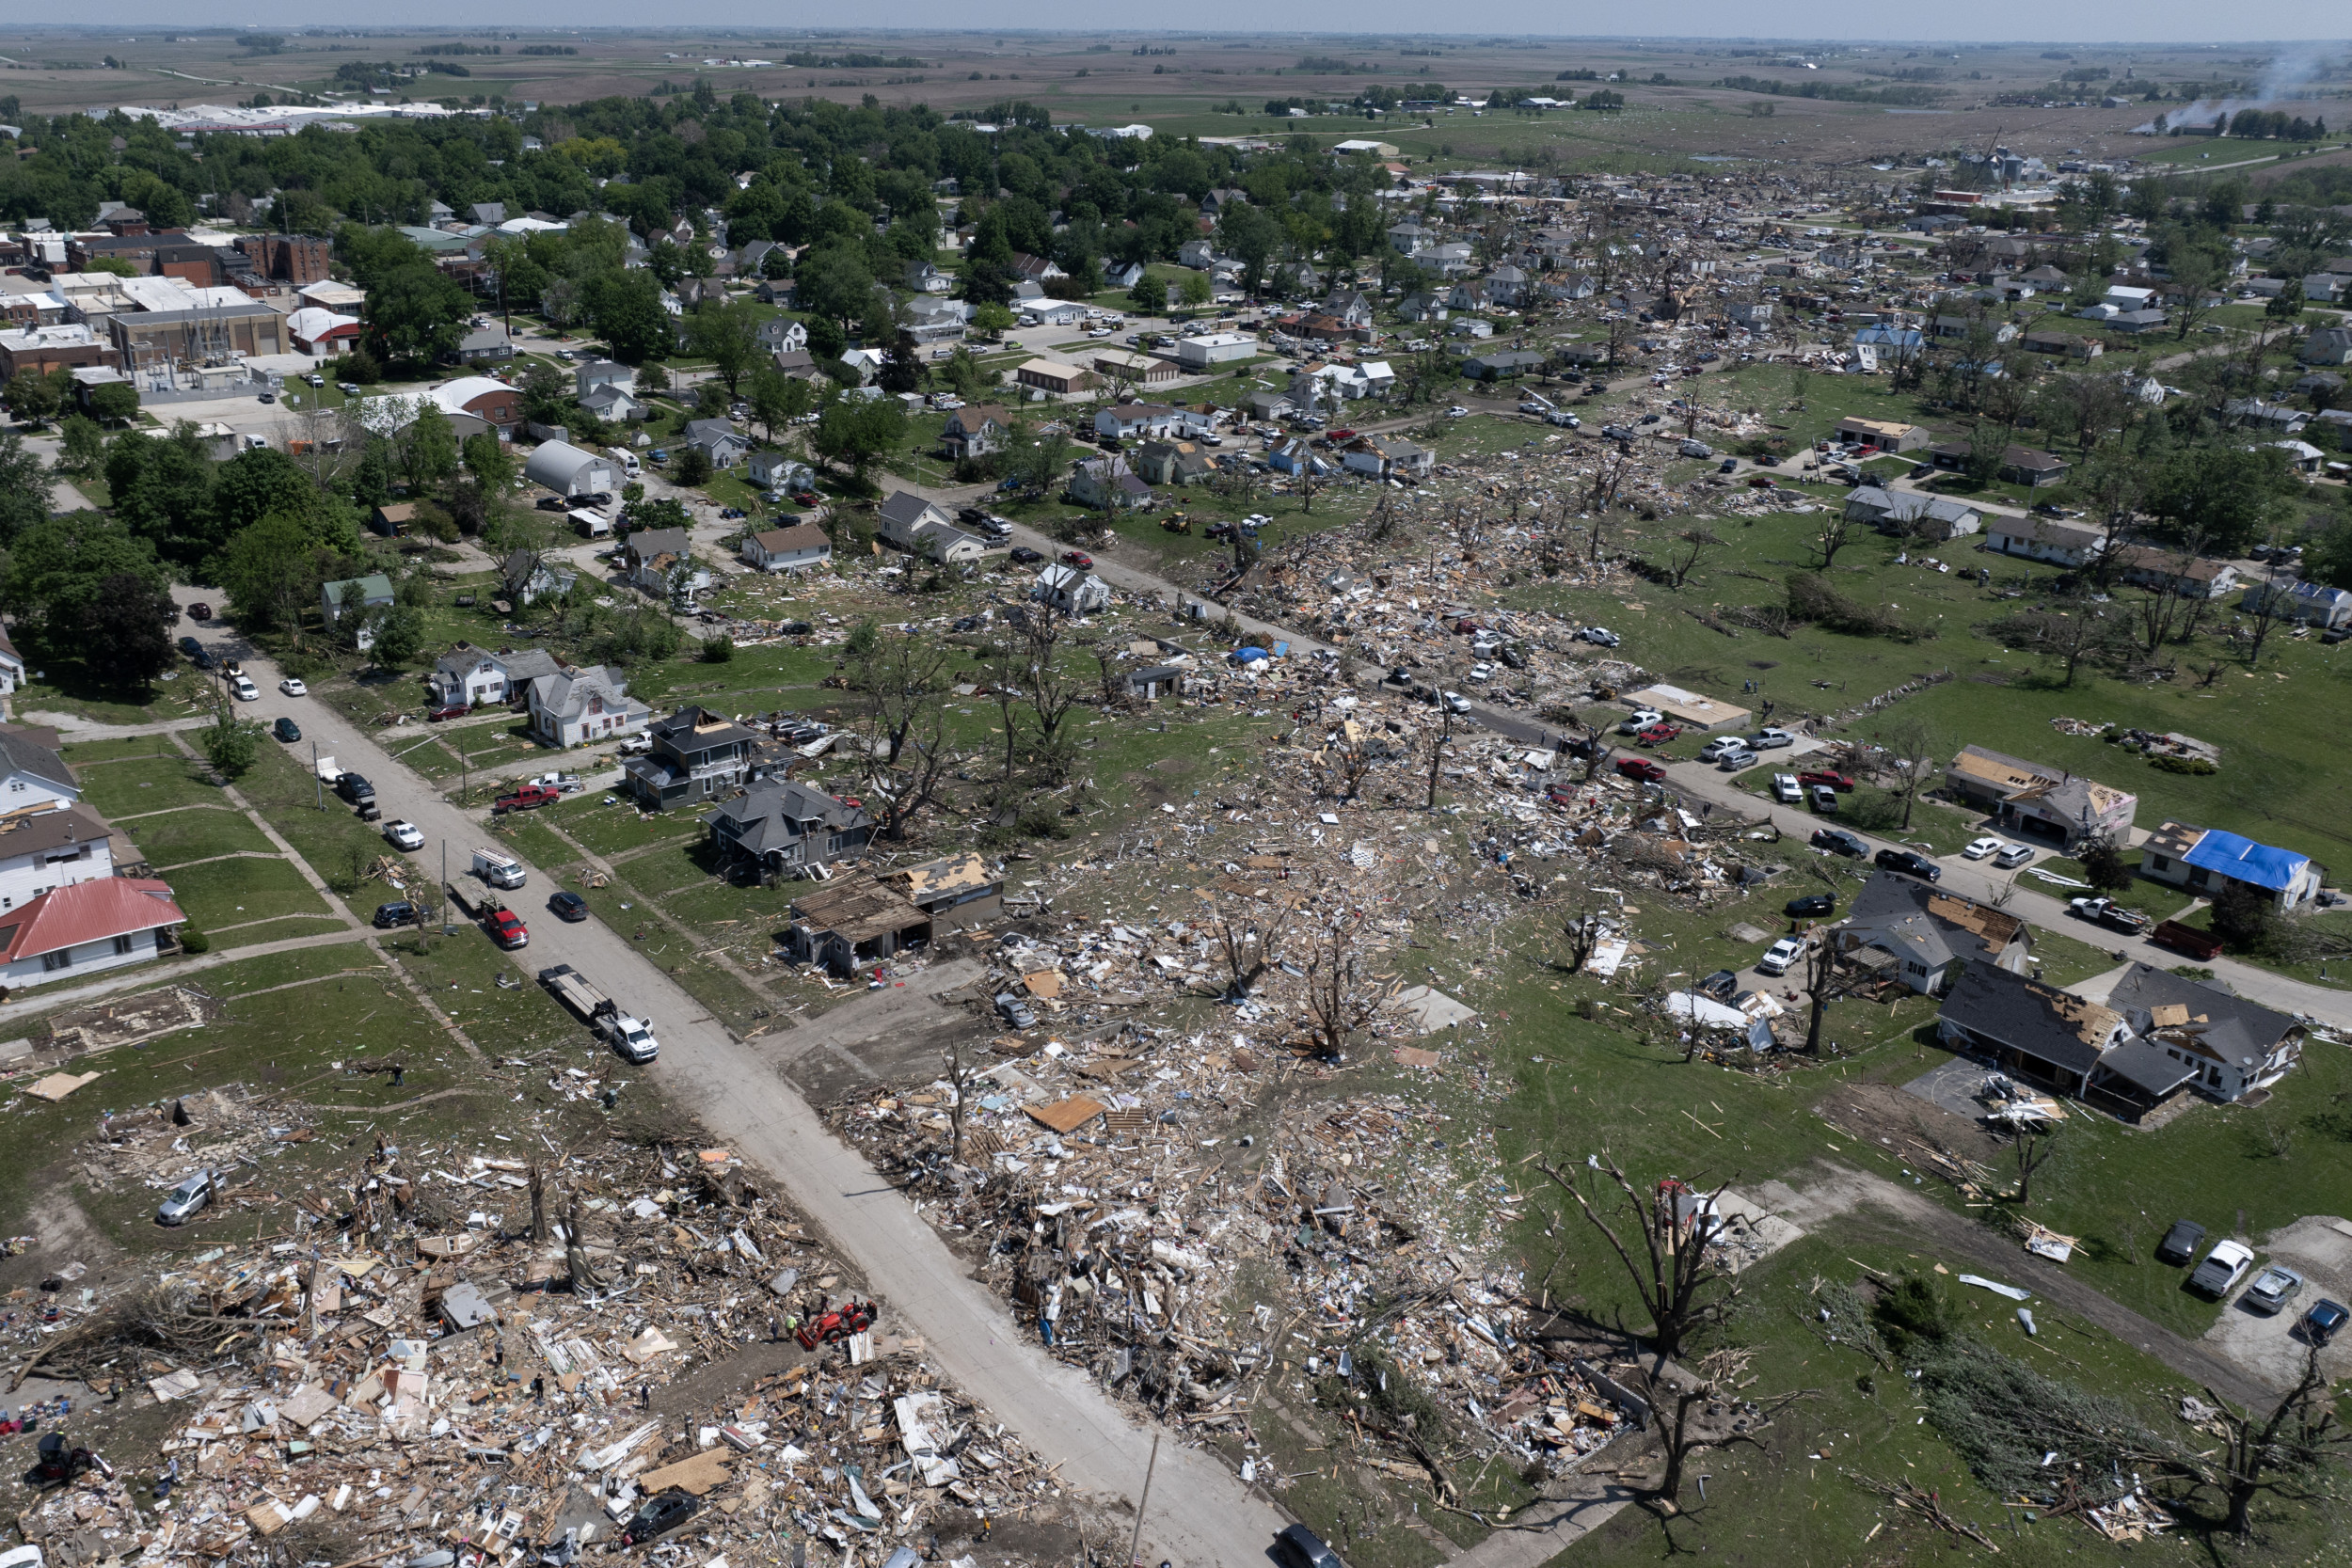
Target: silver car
2272 1288
181 1203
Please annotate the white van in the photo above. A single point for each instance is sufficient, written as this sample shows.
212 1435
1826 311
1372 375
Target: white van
628 460
497 869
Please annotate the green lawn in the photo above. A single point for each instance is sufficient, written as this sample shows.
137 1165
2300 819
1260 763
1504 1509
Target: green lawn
136 785
194 833
244 892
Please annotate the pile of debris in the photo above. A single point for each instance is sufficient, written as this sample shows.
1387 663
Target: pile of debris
461 1350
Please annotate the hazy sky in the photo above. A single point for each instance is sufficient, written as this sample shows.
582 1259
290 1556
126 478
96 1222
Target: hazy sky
2151 22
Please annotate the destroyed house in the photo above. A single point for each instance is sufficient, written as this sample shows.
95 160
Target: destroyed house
861 921
1930 934
2027 1029
696 755
784 827
954 890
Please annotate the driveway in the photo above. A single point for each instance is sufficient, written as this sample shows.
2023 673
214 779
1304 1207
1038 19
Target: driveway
1199 1515
2271 1345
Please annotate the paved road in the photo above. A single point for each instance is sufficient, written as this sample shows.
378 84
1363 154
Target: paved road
1200 1512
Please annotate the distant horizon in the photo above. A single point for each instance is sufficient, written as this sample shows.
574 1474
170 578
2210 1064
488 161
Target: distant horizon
2171 24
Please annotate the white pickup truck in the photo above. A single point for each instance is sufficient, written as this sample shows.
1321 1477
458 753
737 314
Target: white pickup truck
631 1037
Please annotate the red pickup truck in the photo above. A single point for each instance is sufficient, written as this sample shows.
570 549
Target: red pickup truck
507 929
528 797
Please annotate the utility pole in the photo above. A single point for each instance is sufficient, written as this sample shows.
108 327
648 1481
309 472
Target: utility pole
319 783
1136 1541
443 897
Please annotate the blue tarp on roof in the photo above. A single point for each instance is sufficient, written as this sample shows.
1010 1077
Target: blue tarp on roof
2243 860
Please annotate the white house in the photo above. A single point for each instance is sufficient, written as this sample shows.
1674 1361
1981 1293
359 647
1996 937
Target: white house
796 549
575 707
1072 590
86 926
2040 539
777 470
602 373
11 666
1130 421
615 404
477 675
50 845
904 516
653 557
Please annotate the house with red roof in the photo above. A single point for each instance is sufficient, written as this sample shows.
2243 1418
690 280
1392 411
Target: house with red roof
86 927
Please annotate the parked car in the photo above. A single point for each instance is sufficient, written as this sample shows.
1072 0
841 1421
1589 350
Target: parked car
1076 558
243 688
1909 862
1023 556
1839 842
199 610
2107 912
1455 702
404 834
1721 744
2181 1243
2322 1319
399 912
1641 768
2223 1267
354 787
1771 739
439 711
1720 985
570 907
287 731
197 655
507 928
1813 906
1015 1011
1639 720
1778 957
660 1515
2272 1288
1658 735
348 389
1828 778
1600 637
1735 759
1787 790
1979 847
1824 800
181 1204
1299 1547
292 685
2010 856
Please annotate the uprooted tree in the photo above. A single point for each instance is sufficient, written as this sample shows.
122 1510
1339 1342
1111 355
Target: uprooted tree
2285 1453
1682 1284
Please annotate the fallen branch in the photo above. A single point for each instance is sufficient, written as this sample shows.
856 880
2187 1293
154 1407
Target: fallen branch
1905 1494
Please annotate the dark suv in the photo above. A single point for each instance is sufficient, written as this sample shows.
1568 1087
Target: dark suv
390 915
660 1516
1909 862
354 787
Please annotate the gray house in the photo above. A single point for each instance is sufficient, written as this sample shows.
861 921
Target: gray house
1909 511
782 827
1930 934
718 441
696 755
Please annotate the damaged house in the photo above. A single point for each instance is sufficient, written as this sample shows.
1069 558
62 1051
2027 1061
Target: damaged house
2027 1029
784 828
1931 935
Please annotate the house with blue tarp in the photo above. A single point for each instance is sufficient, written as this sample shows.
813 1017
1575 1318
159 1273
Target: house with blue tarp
2205 860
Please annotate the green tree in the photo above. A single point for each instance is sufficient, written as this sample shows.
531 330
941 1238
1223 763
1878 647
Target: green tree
85 586
1196 290
2287 303
856 431
81 446
546 396
163 490
398 634
727 336
231 744
2226 496
269 573
631 318
114 402
693 465
32 397
428 447
23 488
992 320
260 482
416 312
778 399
